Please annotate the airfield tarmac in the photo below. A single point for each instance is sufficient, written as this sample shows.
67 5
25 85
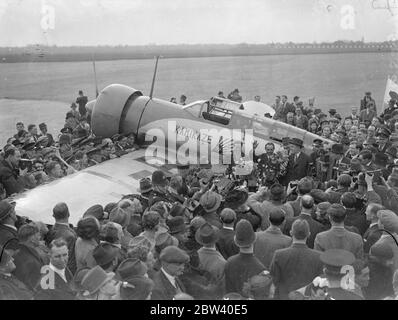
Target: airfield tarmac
43 92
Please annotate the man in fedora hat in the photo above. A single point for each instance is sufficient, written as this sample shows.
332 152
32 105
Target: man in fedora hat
99 285
179 230
299 162
241 267
210 202
160 185
106 256
145 190
210 258
166 281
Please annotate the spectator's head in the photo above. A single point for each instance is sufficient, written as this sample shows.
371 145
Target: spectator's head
29 234
59 253
150 220
173 260
277 192
210 201
7 213
348 200
307 203
20 126
371 212
277 217
13 156
61 212
290 117
321 209
88 228
393 179
334 260
388 220
105 255
284 99
354 111
159 179
176 182
244 234
32 129
183 99
365 157
336 213
300 230
269 148
258 286
54 170
80 92
228 216
296 99
304 186
344 181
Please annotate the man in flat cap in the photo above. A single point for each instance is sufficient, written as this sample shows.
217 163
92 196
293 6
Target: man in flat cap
166 281
388 221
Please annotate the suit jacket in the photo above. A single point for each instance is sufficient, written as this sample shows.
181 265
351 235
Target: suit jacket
298 169
226 244
296 206
370 237
356 219
365 116
293 268
13 289
163 289
10 179
339 238
315 227
61 290
267 242
28 266
8 234
213 262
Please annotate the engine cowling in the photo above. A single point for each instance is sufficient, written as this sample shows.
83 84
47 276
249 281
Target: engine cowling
111 108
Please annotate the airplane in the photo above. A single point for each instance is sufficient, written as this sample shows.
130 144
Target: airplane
122 109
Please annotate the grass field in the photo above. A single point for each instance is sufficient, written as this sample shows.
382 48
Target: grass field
336 80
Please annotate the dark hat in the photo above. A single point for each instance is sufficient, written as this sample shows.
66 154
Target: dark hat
392 151
197 222
381 251
296 141
5 209
136 288
95 279
16 142
210 201
285 141
206 234
177 210
332 111
42 125
337 116
381 159
78 277
338 148
334 259
384 132
145 185
104 253
64 139
67 130
164 240
244 234
159 178
96 211
318 142
319 195
29 146
277 190
368 93
228 215
176 225
236 198
336 210
130 268
388 219
324 120
173 254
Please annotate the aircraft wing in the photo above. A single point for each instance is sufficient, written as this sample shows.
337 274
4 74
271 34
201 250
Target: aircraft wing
100 184
257 108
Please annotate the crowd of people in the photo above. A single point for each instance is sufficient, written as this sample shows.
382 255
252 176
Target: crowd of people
318 226
31 158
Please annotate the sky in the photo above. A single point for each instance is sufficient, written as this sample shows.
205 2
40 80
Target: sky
140 22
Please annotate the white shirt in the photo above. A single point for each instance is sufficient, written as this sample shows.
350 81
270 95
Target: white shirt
170 278
60 272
